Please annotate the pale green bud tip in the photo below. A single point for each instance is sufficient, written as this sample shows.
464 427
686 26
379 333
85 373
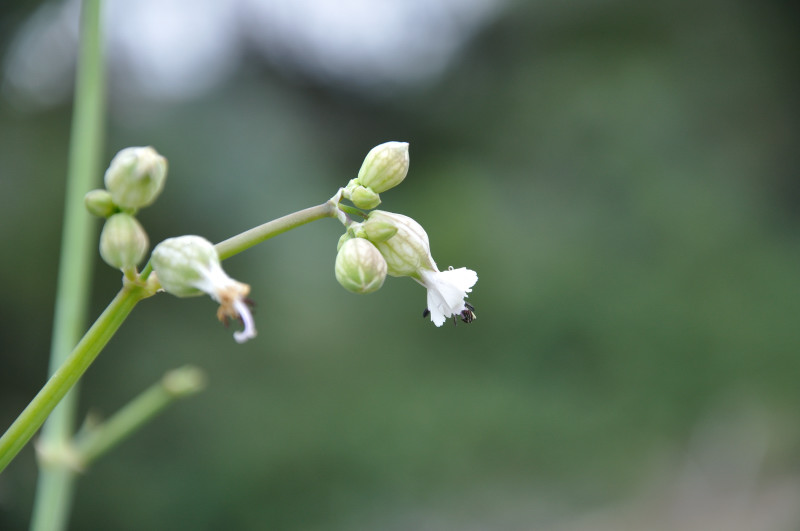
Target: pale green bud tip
189 265
364 198
360 268
184 381
407 251
123 242
379 230
99 203
385 166
136 177
343 238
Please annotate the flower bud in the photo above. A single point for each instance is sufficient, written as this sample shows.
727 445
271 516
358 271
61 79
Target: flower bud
379 230
99 203
343 238
184 264
407 251
384 167
123 242
364 198
360 268
136 177
184 381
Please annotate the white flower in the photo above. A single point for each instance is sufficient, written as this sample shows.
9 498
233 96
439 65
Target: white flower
404 244
447 291
189 265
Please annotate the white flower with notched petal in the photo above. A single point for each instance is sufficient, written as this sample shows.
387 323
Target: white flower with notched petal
405 247
189 265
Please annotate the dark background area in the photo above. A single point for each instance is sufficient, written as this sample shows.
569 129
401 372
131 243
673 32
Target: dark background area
623 178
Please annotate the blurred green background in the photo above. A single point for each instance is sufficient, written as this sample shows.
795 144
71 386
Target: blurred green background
621 175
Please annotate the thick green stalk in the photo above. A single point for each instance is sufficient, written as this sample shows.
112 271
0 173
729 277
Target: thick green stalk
32 417
107 324
54 490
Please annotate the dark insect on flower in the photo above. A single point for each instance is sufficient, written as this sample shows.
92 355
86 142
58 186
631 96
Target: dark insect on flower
467 315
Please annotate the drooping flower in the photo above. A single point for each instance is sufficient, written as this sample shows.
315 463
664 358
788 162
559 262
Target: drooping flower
187 266
405 247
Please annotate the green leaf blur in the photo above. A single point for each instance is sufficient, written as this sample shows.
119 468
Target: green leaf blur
621 175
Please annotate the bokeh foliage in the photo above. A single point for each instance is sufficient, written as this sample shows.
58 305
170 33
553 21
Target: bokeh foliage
621 175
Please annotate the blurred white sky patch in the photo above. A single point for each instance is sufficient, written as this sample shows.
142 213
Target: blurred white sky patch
175 49
366 43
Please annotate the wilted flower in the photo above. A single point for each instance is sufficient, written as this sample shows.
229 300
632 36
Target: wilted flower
189 265
407 253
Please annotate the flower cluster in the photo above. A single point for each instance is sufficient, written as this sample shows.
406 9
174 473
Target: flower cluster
134 179
383 243
394 244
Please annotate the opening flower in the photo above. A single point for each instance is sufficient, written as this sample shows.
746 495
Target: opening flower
407 253
446 293
187 266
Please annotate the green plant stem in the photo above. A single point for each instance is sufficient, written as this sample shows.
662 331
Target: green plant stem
97 440
256 235
65 377
117 311
54 489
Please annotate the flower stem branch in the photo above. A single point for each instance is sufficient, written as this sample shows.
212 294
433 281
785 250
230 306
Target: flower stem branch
32 417
96 440
115 314
256 235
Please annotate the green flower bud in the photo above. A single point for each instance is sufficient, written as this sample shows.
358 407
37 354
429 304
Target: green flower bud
343 238
184 265
407 251
99 203
364 198
360 268
385 166
136 177
123 242
378 229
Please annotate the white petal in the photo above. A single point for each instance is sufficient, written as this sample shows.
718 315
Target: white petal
249 331
446 291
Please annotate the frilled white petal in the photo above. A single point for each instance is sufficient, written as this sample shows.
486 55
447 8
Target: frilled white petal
446 291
